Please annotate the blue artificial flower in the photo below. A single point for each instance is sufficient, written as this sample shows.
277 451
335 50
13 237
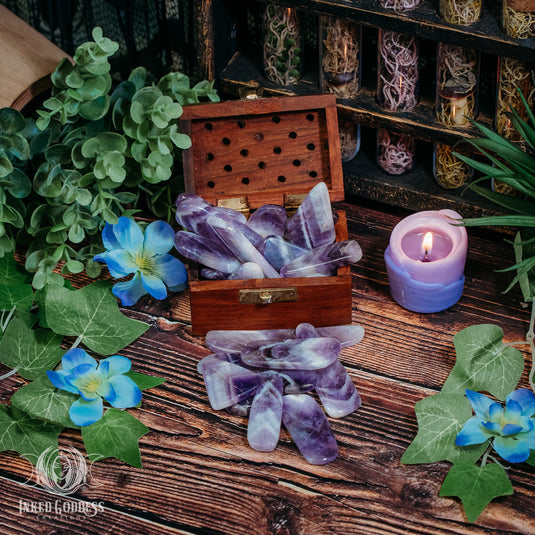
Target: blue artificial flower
129 251
82 375
511 429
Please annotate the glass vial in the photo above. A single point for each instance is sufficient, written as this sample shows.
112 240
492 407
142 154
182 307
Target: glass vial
397 71
450 172
349 132
340 56
395 152
400 5
282 48
457 85
461 12
518 18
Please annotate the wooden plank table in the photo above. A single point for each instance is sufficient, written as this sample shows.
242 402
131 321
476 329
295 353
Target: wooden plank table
199 475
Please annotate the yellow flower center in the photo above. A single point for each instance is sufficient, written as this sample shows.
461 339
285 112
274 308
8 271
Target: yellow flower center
90 383
144 262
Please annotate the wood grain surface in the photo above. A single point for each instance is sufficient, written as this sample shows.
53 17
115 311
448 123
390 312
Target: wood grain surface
199 475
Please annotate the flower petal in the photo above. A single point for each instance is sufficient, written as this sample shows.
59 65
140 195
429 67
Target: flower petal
511 449
172 271
493 427
84 413
60 379
511 429
525 398
75 357
117 365
480 403
129 291
512 411
120 262
159 238
472 433
495 412
154 286
108 238
127 392
128 234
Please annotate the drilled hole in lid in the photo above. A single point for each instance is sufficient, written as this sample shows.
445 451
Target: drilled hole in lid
276 119
245 180
281 178
226 141
310 117
241 124
209 156
292 135
262 165
259 136
311 146
211 184
208 126
228 168
277 150
244 152
313 174
296 162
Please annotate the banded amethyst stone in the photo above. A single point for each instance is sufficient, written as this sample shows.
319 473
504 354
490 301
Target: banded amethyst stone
347 335
322 261
268 220
309 428
234 342
336 391
294 354
248 270
266 414
279 252
313 225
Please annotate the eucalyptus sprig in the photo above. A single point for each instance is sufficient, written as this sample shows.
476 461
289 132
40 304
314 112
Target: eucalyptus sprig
93 154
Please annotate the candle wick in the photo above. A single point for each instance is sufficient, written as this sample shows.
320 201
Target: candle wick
426 258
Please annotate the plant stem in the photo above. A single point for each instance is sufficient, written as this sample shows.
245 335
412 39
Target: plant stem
77 342
9 374
485 456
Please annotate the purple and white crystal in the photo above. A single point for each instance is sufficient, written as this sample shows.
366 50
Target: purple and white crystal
309 428
278 252
247 270
268 220
336 391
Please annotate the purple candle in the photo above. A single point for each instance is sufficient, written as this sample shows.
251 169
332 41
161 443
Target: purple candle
425 261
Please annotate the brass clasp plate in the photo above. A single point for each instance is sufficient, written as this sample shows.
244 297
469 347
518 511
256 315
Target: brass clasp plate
266 296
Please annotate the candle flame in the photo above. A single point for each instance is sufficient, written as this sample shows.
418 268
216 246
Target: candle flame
427 244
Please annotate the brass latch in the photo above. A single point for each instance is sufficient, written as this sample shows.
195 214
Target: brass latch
266 296
292 201
240 204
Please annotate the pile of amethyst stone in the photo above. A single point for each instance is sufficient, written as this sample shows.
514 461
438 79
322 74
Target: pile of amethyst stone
271 375
268 244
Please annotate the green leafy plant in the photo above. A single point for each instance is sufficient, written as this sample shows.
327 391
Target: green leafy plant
484 363
35 326
93 154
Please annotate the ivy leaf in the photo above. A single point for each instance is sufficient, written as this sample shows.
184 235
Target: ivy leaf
484 363
531 459
440 418
32 351
93 314
40 399
117 435
10 272
30 437
19 295
476 486
144 382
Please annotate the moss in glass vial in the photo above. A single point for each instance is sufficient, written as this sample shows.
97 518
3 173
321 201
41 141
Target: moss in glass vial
282 51
460 12
349 137
400 5
395 152
340 57
450 172
456 83
517 23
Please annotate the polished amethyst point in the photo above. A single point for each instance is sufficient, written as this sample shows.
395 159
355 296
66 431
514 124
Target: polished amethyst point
266 414
279 252
243 408
312 225
322 261
309 428
205 251
307 330
213 274
336 391
192 209
237 242
268 220
234 342
227 383
299 381
294 354
347 335
248 270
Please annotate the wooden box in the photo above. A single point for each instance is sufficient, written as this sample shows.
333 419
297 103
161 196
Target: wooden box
266 151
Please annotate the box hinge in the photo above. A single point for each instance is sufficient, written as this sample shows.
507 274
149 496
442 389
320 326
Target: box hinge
292 201
240 204
266 296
